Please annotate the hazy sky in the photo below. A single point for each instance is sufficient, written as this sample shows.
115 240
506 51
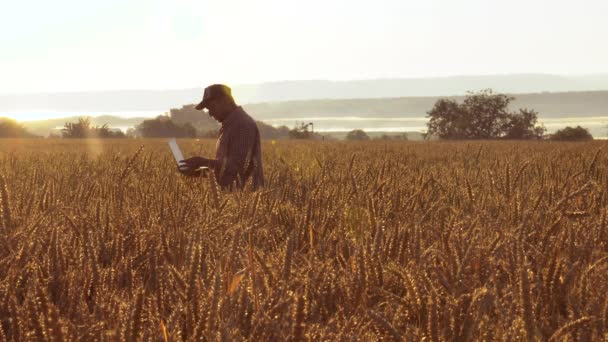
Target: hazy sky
70 45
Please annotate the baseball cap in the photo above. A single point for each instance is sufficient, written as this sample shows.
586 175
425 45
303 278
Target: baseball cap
213 92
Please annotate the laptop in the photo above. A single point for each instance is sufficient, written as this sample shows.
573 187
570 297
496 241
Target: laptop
179 156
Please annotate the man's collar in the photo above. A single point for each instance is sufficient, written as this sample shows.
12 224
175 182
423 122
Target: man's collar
230 117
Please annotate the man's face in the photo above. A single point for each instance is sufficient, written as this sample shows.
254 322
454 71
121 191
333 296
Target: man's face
215 109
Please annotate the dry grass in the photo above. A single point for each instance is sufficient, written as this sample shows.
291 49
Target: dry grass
437 241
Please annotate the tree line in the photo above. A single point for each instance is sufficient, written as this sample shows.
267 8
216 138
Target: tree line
481 115
160 127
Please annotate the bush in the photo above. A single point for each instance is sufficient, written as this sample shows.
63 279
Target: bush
357 135
400 136
577 133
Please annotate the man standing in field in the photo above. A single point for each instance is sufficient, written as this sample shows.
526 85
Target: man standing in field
238 153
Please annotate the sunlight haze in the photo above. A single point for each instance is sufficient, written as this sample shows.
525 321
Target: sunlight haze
68 45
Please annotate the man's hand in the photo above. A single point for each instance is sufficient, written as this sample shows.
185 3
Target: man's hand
189 172
191 167
194 163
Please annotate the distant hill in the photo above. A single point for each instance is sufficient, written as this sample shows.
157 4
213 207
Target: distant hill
163 100
549 105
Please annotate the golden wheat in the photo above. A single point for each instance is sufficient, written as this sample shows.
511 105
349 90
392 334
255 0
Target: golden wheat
370 241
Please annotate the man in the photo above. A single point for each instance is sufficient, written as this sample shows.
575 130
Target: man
238 153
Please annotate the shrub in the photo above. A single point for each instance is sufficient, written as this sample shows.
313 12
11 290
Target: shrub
357 135
577 133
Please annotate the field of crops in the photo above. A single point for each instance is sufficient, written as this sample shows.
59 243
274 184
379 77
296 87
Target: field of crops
348 241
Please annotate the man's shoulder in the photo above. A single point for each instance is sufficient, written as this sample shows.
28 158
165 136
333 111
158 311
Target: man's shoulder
245 118
244 123
245 114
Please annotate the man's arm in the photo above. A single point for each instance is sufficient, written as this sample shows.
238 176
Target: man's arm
239 150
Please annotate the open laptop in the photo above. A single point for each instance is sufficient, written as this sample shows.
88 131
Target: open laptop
179 156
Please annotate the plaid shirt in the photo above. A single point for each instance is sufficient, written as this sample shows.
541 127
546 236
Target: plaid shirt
238 151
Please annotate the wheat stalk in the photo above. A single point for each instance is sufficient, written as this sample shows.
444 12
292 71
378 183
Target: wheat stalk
6 219
572 327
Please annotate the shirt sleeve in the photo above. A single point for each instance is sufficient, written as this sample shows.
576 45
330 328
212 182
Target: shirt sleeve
238 156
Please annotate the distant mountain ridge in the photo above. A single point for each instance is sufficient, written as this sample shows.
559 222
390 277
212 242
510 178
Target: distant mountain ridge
163 100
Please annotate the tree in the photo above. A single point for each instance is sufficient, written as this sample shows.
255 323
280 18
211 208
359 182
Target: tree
523 125
301 132
10 128
448 120
400 136
106 132
357 135
189 115
210 134
269 132
84 129
132 132
77 130
577 133
164 127
482 115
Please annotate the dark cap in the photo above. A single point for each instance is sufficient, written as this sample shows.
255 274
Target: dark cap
213 92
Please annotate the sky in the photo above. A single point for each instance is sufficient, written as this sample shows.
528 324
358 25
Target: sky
69 45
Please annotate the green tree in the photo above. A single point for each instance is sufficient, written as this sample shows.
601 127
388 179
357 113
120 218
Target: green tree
577 133
482 115
357 135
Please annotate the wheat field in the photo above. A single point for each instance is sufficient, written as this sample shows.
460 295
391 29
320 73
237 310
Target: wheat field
458 241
